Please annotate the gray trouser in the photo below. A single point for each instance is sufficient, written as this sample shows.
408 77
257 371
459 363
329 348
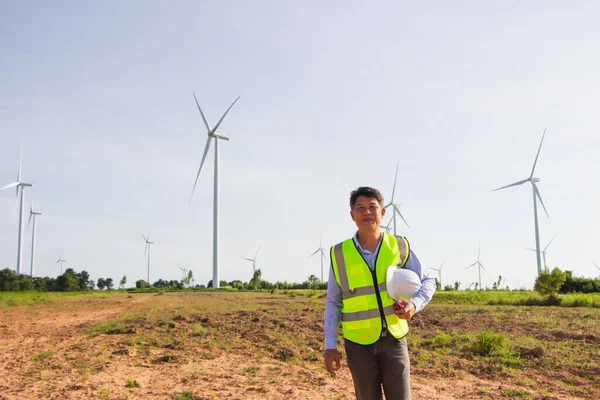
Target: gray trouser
383 362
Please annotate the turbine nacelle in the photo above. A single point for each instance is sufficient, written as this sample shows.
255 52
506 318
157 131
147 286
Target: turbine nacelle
219 136
536 180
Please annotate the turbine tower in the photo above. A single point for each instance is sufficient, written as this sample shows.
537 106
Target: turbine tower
20 187
61 261
439 270
536 195
544 252
254 260
147 249
320 250
479 267
213 134
32 216
395 206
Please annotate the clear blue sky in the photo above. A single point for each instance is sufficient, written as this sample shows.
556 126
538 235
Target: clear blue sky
332 97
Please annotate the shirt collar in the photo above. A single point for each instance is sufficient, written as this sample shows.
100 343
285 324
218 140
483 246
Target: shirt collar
355 238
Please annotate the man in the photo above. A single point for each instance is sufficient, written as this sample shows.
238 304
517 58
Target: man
374 325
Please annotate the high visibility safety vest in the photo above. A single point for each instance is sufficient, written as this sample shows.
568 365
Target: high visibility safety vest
367 309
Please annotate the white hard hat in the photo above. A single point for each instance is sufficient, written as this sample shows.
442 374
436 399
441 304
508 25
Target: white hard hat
402 283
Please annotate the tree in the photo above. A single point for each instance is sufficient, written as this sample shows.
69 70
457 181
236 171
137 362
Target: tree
256 278
549 283
109 283
67 282
101 283
313 282
189 279
83 279
141 284
123 282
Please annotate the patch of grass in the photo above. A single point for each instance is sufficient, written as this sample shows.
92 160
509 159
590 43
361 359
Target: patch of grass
187 395
516 393
487 343
44 355
109 328
131 383
165 358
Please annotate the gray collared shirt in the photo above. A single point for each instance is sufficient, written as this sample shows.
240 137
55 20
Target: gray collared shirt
333 302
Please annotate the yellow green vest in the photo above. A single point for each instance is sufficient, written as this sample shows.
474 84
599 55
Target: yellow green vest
366 303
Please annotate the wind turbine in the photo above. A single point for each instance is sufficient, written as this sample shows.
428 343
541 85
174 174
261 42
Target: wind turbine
147 248
395 206
20 187
439 270
32 216
254 260
536 195
61 261
596 265
544 252
480 267
320 250
213 134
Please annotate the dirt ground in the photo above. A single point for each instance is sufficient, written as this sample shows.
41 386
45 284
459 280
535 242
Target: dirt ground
55 350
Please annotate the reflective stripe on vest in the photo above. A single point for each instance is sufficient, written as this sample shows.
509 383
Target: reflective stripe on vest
361 315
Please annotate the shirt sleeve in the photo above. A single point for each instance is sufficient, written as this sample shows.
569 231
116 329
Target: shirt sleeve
428 286
333 311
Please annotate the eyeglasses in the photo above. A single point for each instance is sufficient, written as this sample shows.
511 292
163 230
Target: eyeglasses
363 210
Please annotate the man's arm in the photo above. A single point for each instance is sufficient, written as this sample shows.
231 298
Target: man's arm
333 311
428 286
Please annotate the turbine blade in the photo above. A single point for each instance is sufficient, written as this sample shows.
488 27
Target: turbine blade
249 259
313 253
323 255
528 248
10 185
145 238
321 240
475 263
221 120
29 221
200 169
481 265
257 251
512 184
537 193
400 214
203 117
538 154
395 177
545 248
442 263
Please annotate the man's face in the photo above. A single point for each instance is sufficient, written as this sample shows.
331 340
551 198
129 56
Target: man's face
367 213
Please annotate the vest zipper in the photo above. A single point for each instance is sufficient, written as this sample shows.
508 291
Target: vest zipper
377 294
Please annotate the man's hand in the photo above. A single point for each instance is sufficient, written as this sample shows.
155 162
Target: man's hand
404 309
332 361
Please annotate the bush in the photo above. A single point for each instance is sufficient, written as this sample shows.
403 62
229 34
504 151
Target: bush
549 283
487 343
